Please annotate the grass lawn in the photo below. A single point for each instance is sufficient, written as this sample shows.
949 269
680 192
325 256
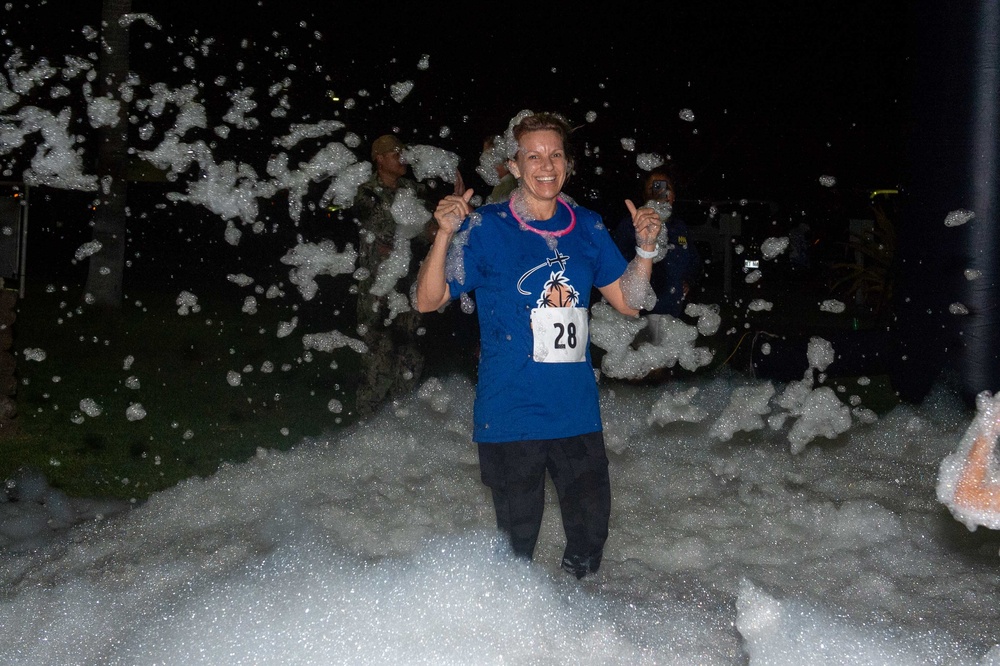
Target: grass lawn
178 368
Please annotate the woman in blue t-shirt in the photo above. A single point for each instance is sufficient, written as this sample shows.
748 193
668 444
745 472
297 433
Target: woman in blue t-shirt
532 262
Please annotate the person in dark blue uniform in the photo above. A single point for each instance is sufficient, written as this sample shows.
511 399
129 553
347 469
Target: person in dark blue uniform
678 266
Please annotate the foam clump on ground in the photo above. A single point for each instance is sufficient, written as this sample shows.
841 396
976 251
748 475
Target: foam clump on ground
791 633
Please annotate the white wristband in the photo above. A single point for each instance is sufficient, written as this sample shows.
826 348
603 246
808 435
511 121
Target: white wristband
647 254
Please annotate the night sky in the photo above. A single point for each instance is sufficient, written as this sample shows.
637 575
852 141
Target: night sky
782 92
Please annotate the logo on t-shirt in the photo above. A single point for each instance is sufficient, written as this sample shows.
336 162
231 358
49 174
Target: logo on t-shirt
557 292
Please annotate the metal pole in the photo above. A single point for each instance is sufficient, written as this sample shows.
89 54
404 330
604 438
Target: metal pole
23 259
981 363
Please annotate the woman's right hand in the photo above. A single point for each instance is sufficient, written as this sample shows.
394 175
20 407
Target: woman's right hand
451 211
432 287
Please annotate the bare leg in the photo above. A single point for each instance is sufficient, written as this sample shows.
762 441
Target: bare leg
975 488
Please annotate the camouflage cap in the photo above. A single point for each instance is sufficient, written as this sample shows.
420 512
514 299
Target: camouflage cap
386 143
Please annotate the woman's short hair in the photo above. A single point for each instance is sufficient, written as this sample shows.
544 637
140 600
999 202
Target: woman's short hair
543 121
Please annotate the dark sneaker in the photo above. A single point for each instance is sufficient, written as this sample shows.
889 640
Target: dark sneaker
580 566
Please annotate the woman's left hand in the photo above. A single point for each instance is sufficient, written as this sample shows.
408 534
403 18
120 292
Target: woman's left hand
647 223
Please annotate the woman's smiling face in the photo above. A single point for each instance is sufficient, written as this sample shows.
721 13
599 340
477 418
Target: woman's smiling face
541 165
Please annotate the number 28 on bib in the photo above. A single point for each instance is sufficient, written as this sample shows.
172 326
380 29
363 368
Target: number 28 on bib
560 334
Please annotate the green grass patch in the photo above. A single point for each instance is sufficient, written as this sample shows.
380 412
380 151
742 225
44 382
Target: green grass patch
177 367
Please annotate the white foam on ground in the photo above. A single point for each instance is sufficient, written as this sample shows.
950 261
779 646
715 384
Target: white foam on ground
377 546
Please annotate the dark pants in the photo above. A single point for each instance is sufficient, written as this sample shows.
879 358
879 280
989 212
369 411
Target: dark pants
578 466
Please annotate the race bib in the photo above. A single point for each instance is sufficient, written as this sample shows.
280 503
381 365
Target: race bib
560 334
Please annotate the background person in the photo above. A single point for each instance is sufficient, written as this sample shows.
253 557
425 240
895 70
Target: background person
394 361
678 265
493 159
532 262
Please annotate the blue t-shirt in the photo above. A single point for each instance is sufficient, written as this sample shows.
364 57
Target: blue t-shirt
512 271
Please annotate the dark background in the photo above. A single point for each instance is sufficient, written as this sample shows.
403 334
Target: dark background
782 92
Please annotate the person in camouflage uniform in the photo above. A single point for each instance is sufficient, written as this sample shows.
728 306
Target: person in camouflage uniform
394 362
